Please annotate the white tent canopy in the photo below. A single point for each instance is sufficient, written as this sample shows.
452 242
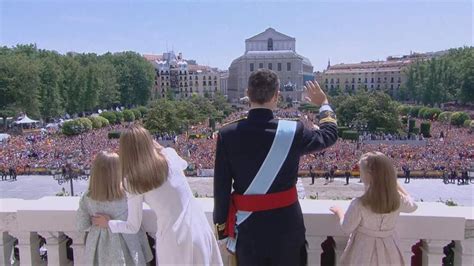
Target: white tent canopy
26 120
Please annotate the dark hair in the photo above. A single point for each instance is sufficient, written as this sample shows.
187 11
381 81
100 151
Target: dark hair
263 85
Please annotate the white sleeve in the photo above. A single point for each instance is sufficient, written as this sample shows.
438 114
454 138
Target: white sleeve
407 204
175 159
134 218
352 217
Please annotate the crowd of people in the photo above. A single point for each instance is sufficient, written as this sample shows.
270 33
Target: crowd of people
450 148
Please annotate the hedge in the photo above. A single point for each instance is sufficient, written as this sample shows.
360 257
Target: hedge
414 110
137 113
416 130
113 135
404 120
458 118
444 116
467 123
143 110
422 112
341 129
128 116
432 113
86 124
103 121
76 126
110 116
350 135
425 129
96 122
403 110
119 116
411 125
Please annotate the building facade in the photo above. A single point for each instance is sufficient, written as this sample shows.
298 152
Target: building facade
271 50
179 78
388 75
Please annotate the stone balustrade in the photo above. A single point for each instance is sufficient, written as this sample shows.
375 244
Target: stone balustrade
24 223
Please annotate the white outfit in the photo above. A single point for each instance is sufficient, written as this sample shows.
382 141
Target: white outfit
183 235
373 240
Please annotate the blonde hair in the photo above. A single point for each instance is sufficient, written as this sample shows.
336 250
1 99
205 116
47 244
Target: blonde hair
382 194
105 180
143 166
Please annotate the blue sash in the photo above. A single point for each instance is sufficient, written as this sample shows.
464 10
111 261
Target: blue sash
267 173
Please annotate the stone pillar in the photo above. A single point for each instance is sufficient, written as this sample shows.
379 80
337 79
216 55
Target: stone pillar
78 246
341 242
406 246
464 252
28 245
314 249
56 246
6 248
433 251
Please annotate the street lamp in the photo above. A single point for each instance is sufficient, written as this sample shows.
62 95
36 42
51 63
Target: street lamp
69 175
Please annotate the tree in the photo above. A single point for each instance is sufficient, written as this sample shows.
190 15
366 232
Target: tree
128 116
50 99
162 118
467 87
373 109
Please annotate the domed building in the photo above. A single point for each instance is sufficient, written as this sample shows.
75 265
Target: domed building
271 50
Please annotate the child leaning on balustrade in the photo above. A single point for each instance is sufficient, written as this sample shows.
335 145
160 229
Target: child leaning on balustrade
106 195
371 219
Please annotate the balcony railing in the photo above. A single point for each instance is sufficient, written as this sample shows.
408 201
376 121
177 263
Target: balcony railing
436 225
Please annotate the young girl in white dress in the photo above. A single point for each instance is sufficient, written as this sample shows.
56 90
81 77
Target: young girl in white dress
154 175
371 219
106 195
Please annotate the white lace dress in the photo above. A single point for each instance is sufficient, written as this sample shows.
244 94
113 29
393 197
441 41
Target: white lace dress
184 236
373 239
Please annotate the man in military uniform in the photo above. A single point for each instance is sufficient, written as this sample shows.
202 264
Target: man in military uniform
265 222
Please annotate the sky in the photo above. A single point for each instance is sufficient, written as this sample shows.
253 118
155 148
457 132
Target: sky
214 32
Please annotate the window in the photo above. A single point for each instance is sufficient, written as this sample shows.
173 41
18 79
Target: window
337 81
391 80
332 82
378 81
270 44
326 81
279 66
365 80
204 83
353 86
270 66
372 80
190 77
391 86
332 86
372 86
359 80
260 65
204 78
353 80
288 66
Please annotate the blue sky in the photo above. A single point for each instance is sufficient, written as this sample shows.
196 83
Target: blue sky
213 32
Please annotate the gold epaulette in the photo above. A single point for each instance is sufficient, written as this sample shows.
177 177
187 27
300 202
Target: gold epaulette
234 121
327 117
289 119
